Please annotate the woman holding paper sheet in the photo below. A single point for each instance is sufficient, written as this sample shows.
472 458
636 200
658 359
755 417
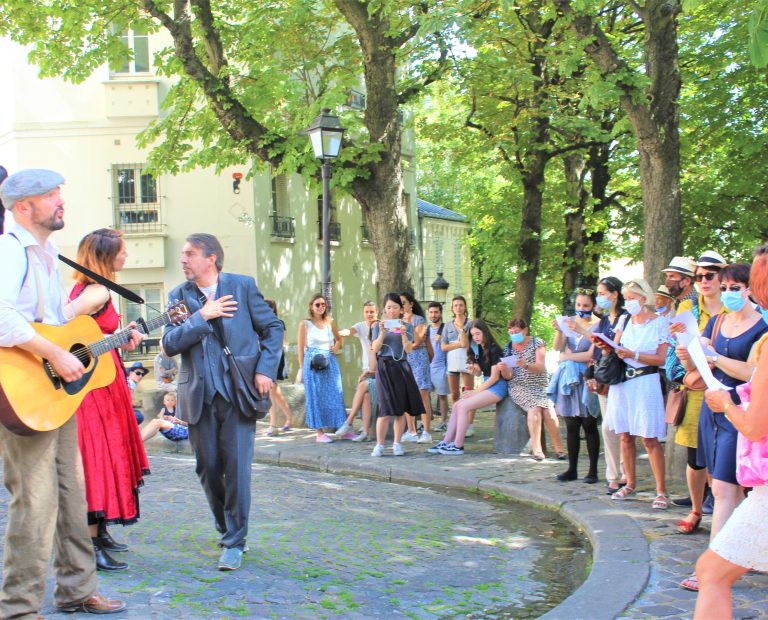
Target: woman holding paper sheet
568 389
636 406
703 307
732 365
742 543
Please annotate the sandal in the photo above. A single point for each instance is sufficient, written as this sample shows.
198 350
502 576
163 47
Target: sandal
689 527
287 427
690 583
271 431
623 493
661 502
538 457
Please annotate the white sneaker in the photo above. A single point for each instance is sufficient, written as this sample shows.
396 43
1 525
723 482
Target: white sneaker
409 437
363 436
470 431
397 449
343 429
425 438
378 450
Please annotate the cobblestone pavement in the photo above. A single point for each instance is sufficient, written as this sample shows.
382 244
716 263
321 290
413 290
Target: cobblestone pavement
328 546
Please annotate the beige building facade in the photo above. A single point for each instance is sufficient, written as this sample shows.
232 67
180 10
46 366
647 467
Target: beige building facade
269 230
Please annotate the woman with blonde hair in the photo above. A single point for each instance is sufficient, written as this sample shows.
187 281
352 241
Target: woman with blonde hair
114 461
636 405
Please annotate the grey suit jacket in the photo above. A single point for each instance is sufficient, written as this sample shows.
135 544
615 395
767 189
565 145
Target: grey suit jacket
254 328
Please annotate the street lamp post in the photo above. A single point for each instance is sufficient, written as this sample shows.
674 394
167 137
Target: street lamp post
440 288
326 134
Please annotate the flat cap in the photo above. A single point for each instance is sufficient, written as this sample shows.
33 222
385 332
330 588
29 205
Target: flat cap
29 182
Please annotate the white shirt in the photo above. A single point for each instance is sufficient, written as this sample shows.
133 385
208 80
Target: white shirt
18 303
361 331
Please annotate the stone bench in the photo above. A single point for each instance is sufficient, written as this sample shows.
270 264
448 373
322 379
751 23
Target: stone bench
511 435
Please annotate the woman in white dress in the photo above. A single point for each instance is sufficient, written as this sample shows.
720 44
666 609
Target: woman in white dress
636 406
742 543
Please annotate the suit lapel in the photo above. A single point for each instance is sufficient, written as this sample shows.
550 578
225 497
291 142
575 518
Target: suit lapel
225 288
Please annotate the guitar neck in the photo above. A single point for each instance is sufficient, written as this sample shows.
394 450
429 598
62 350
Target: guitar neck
123 336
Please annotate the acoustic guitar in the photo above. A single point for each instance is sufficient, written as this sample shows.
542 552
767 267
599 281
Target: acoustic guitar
34 398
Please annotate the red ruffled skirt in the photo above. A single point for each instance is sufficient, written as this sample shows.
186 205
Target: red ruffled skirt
114 460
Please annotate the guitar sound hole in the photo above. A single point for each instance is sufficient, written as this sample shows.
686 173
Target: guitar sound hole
81 353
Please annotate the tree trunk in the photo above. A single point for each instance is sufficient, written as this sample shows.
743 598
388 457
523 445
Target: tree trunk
654 115
575 233
529 249
381 194
600 176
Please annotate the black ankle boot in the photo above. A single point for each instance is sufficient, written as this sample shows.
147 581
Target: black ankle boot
104 561
567 476
109 543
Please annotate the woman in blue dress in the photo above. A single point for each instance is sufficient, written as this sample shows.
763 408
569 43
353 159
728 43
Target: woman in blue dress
733 363
319 340
418 358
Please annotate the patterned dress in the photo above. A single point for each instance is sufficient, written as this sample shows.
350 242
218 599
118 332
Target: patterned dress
528 389
322 388
418 358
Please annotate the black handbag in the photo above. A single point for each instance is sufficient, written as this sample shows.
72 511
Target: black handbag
610 369
319 361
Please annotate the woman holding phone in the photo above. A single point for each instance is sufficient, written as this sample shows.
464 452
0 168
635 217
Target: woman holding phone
396 389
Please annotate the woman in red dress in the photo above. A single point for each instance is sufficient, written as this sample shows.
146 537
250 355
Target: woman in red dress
113 455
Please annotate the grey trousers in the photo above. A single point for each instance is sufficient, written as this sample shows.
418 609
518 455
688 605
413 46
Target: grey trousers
44 476
223 444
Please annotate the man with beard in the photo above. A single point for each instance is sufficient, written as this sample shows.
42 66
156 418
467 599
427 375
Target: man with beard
438 371
679 279
220 434
43 471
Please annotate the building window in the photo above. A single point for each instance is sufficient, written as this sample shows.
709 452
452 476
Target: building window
136 200
283 226
153 307
137 41
458 287
335 227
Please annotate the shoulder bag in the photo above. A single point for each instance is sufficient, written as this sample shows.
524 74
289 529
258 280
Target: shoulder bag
751 456
610 369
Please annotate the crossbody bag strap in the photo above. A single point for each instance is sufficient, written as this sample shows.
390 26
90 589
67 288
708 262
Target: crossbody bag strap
716 327
218 328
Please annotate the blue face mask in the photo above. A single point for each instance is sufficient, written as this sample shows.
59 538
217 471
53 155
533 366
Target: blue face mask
517 338
475 347
633 307
661 310
583 314
733 300
603 302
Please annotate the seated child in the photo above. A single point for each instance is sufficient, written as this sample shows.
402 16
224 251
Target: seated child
166 422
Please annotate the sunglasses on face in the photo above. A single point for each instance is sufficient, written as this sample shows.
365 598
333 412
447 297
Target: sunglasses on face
318 305
709 276
735 288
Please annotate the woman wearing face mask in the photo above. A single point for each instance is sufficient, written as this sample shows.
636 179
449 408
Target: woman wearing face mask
706 305
665 303
527 384
611 302
636 406
484 353
568 389
732 364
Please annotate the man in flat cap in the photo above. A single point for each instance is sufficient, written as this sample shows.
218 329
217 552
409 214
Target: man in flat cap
43 471
679 279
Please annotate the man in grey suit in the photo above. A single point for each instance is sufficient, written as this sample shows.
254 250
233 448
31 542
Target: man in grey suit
221 436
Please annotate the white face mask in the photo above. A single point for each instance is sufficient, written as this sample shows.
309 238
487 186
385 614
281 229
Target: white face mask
633 307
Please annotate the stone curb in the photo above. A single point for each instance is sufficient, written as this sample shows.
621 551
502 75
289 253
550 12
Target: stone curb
621 557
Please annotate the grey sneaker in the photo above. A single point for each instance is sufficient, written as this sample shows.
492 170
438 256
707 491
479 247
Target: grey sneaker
442 427
397 449
343 430
363 436
409 437
378 450
436 448
230 559
425 438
